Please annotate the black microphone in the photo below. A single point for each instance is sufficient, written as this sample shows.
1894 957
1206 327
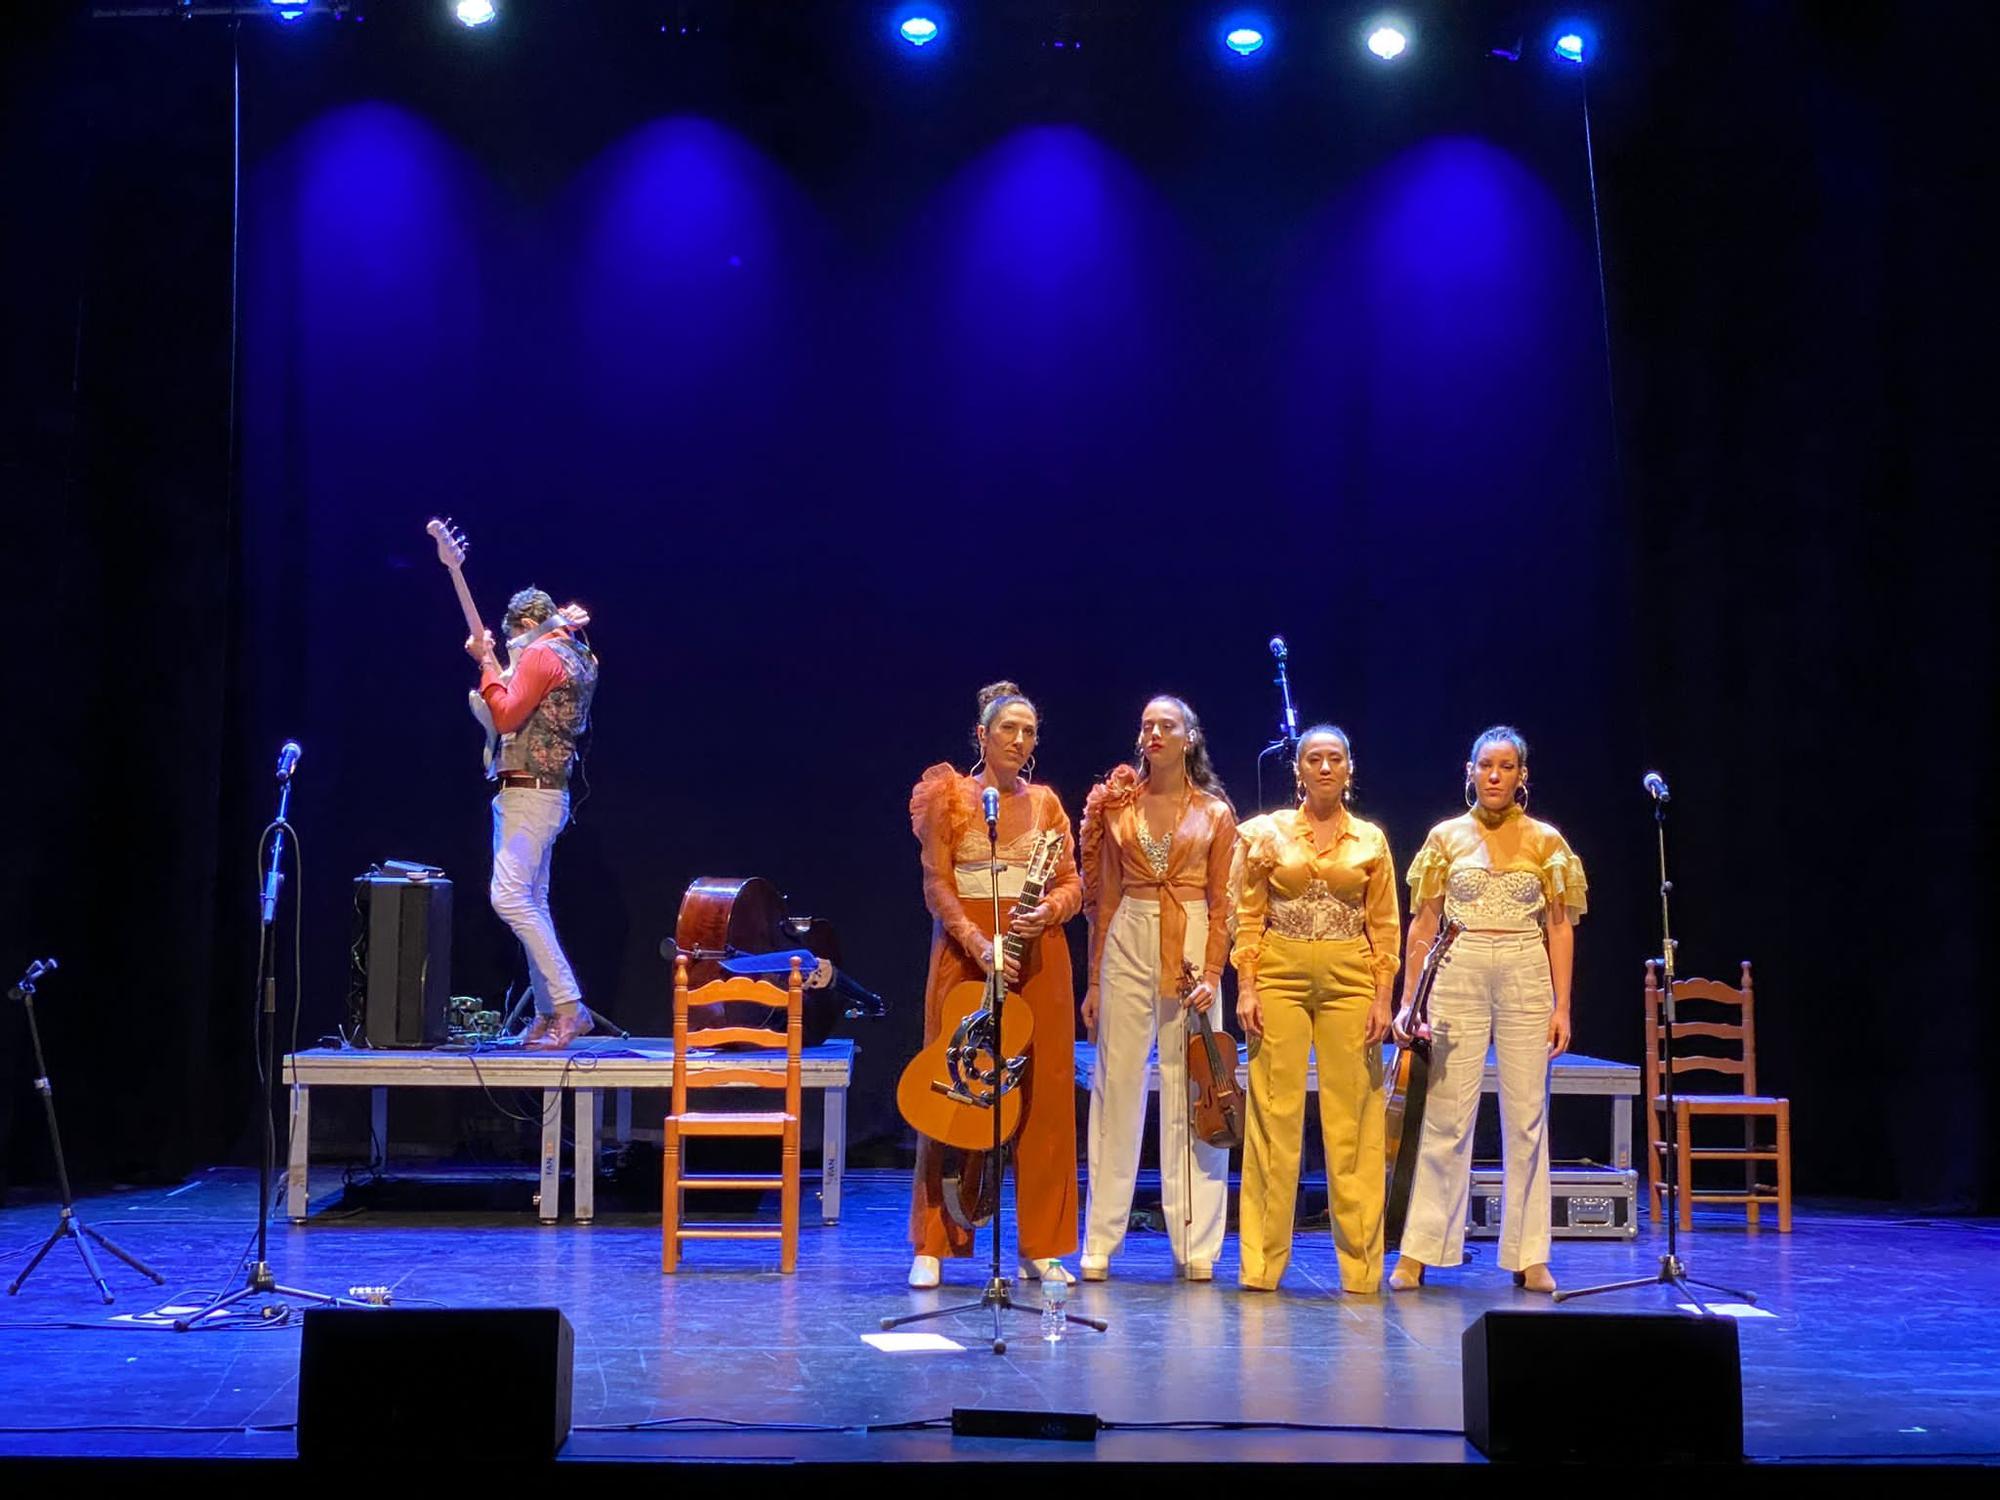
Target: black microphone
989 804
288 760
1656 787
1278 647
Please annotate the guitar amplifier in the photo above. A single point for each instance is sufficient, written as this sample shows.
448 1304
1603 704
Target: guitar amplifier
1585 1203
399 990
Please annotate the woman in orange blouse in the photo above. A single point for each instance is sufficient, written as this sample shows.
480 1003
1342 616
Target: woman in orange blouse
959 877
1316 956
1158 838
1520 890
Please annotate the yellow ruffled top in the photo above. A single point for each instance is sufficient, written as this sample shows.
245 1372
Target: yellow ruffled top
1467 861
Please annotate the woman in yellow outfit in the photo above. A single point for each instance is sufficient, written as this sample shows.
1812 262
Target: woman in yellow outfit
1316 956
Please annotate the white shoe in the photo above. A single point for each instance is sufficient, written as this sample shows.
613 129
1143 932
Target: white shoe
1200 1270
1044 1270
924 1272
1096 1267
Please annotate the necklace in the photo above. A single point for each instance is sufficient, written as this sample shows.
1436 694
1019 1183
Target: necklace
1159 851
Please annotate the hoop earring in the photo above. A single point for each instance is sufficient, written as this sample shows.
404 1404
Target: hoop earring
1299 792
1521 796
977 766
1347 794
1028 769
1471 798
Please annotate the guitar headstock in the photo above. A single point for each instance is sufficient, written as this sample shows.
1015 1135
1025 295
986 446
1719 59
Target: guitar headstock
1043 857
1447 935
451 543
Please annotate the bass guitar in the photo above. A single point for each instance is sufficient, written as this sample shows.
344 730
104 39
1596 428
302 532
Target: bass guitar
452 547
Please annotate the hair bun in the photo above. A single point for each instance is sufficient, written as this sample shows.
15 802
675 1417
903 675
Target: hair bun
993 692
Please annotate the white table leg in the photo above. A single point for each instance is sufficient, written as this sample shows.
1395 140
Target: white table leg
588 1103
298 1155
551 1193
833 1154
378 1125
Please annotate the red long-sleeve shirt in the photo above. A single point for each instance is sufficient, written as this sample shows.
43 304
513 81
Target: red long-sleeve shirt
536 671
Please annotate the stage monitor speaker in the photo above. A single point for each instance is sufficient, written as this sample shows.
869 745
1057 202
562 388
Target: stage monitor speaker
1604 1387
402 991
473 1384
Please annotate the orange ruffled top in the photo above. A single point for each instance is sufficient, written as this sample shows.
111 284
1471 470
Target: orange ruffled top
944 814
1198 861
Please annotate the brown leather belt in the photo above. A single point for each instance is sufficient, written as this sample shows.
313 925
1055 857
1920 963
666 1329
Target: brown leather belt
525 778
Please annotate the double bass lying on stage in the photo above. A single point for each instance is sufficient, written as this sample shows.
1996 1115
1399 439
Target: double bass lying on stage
729 926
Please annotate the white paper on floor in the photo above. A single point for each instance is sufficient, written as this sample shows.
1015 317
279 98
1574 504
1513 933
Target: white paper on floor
1730 1310
913 1343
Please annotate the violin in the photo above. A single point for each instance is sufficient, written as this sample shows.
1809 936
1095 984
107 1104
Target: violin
1215 1099
1409 1086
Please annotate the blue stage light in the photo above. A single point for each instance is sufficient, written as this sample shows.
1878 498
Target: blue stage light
918 30
1569 46
1244 40
474 12
1387 42
288 10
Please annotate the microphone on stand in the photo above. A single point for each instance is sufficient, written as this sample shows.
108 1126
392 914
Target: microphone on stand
1656 787
989 804
288 759
1278 647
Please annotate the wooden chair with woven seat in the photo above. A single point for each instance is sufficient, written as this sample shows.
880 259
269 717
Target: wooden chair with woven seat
1746 1104
683 1124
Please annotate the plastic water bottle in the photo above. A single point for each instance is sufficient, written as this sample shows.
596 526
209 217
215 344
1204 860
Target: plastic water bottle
1055 1304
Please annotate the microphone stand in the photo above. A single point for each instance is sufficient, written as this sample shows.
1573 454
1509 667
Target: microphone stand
259 1282
68 1225
1287 742
1004 1077
1673 1272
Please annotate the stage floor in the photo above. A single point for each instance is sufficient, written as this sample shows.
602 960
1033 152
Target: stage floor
1885 1339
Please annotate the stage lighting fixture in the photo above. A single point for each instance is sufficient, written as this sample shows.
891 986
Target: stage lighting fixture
288 10
918 31
1569 47
1244 40
1388 42
474 12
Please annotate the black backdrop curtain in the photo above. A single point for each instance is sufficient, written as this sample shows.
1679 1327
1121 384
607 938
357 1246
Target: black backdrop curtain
1260 361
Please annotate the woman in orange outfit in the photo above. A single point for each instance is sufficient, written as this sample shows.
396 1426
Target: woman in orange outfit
959 878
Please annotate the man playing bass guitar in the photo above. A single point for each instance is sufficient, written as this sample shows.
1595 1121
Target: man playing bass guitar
540 710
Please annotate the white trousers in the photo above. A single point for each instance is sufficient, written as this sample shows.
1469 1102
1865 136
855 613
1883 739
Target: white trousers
526 821
1131 1013
1493 985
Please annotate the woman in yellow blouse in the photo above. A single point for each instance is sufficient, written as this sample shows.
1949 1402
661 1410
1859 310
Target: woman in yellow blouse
1316 956
1519 889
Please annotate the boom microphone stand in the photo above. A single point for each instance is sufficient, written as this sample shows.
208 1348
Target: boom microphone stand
1003 1079
68 1225
1287 742
260 1282
1672 1272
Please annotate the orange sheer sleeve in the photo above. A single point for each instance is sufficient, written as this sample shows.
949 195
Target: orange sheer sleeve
937 819
1100 862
